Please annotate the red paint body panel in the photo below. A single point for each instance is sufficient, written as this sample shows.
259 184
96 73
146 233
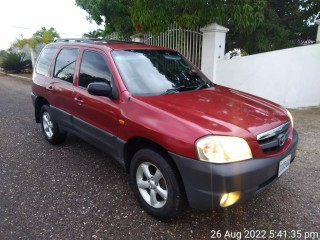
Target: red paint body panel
178 120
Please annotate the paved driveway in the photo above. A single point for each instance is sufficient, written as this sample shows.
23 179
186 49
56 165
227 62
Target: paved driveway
74 191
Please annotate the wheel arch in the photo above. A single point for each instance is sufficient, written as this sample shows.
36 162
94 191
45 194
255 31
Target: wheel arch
39 102
134 144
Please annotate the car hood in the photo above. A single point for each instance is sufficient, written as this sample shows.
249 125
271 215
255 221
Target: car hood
222 111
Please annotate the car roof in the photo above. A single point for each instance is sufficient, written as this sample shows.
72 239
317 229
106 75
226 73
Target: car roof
112 44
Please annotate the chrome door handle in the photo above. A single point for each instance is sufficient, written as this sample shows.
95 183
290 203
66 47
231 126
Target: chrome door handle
78 100
49 88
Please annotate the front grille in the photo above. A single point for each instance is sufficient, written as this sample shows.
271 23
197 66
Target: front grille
271 141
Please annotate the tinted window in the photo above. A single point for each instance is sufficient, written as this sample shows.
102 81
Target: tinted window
44 60
65 64
93 69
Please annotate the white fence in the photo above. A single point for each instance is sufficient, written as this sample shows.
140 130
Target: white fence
290 77
116 36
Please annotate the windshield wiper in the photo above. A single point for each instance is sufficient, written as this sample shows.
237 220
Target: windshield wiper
205 84
175 90
171 90
184 88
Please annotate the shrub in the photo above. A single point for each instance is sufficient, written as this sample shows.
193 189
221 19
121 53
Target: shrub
14 62
2 53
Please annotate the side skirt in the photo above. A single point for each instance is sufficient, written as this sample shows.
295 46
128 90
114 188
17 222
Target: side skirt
106 142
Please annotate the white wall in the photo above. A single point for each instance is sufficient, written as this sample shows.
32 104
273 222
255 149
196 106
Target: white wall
290 77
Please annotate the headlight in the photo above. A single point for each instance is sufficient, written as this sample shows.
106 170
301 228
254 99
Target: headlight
222 149
290 116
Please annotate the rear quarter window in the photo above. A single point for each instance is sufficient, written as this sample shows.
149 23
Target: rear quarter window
44 61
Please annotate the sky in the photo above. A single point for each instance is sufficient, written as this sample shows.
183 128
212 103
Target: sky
25 17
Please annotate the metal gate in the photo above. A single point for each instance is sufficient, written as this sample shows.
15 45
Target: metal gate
187 42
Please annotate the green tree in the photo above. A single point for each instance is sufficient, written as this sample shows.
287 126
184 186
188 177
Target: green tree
255 25
287 23
95 34
129 16
44 35
112 14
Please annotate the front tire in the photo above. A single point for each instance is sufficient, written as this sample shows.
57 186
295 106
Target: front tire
155 184
49 127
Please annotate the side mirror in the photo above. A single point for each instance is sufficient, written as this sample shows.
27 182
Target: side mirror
100 89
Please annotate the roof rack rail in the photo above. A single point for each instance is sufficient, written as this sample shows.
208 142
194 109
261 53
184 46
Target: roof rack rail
91 40
84 40
124 41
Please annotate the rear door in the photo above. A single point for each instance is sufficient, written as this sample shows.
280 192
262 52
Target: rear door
62 85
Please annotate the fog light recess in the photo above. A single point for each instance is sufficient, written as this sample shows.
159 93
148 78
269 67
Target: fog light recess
228 199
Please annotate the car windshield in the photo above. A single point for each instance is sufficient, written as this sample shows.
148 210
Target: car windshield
155 72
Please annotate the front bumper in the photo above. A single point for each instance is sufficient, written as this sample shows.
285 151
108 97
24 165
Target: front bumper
206 182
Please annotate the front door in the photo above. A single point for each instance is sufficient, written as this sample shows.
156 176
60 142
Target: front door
95 116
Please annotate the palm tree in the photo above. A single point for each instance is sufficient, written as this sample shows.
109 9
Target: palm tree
44 35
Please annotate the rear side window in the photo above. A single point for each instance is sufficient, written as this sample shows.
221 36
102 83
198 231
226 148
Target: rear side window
93 69
65 64
44 61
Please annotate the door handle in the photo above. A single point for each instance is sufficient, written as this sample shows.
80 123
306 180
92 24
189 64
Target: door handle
49 88
78 100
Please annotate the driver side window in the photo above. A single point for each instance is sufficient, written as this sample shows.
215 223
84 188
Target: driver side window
93 69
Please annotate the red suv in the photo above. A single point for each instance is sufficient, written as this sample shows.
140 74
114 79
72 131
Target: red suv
178 135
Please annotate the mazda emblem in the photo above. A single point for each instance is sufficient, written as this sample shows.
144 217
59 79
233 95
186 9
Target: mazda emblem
281 139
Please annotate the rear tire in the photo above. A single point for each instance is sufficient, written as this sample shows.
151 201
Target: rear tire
155 184
49 127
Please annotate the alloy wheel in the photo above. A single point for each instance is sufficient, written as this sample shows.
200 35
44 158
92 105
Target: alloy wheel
152 185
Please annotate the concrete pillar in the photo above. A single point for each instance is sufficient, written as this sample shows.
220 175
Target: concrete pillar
213 47
139 37
318 34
